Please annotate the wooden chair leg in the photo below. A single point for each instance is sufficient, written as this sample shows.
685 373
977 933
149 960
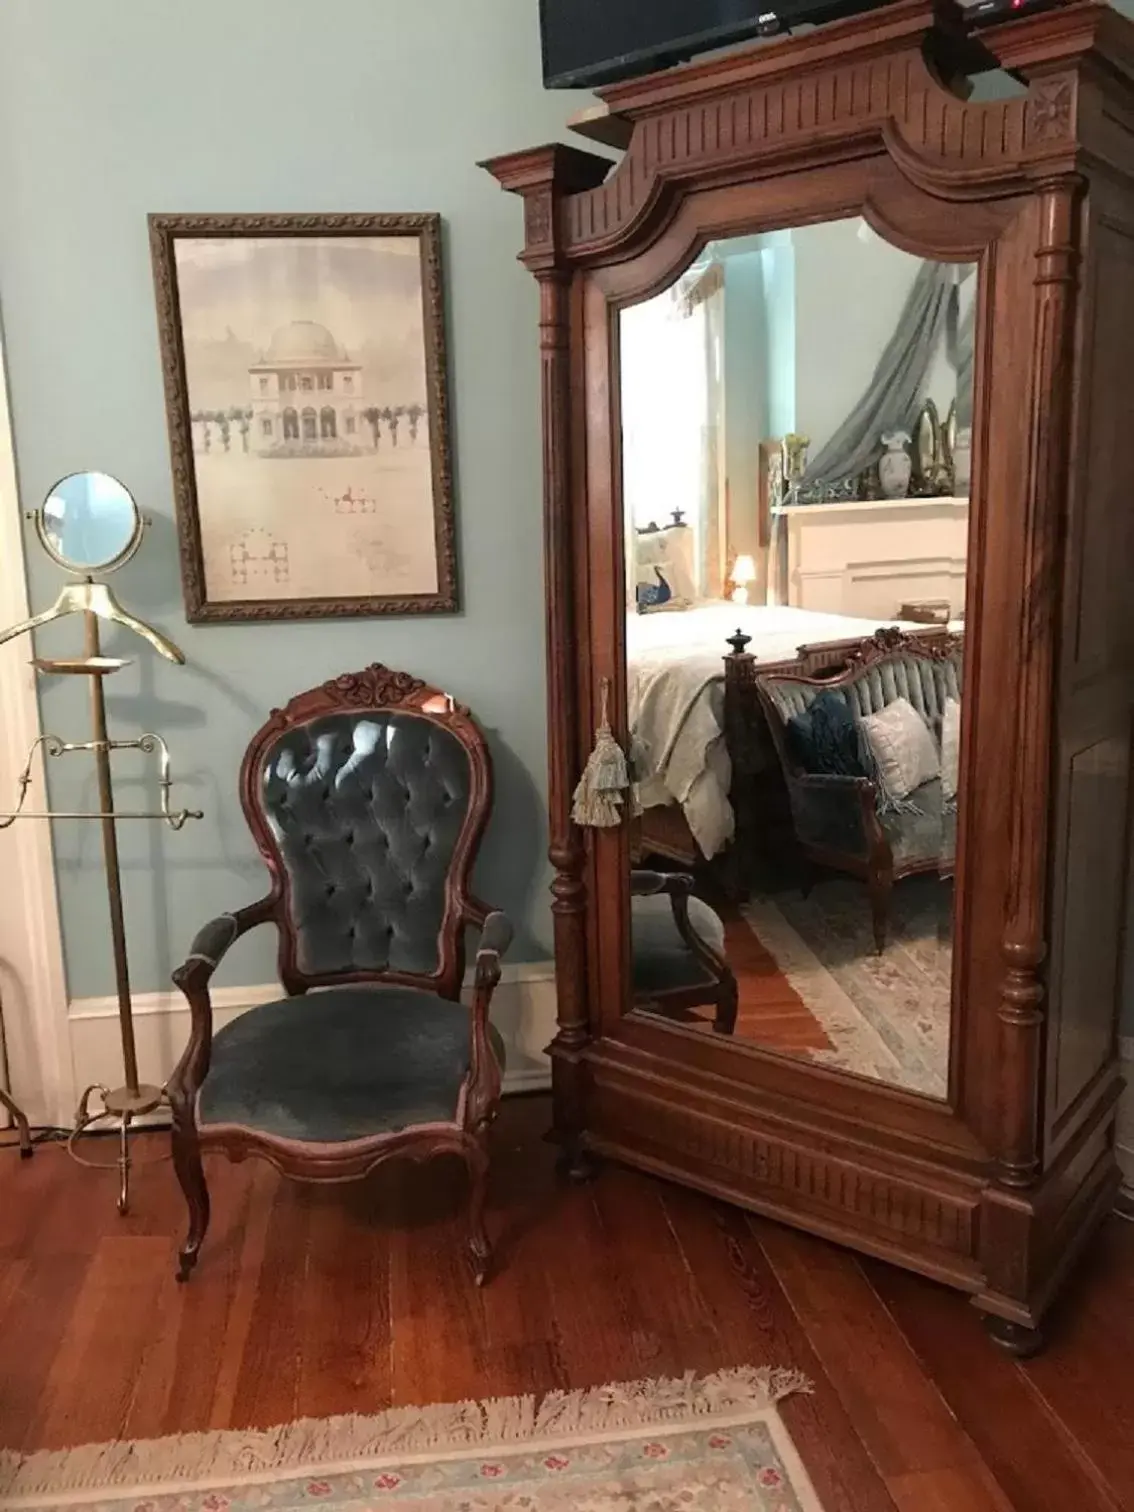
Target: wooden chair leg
727 1004
480 1250
880 884
186 1150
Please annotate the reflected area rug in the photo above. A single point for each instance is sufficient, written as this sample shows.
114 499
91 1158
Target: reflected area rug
887 1016
709 1444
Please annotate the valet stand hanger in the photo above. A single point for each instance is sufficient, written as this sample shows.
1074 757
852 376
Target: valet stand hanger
89 514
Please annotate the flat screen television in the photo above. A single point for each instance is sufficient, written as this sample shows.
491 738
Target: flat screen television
587 42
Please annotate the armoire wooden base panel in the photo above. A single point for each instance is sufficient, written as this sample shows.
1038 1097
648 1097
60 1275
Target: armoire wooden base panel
996 1187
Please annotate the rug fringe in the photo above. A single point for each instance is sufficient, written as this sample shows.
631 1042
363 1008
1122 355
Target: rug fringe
312 1442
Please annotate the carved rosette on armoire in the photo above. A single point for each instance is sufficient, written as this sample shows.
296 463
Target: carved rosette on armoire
995 1187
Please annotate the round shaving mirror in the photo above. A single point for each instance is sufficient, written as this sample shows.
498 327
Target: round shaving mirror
89 522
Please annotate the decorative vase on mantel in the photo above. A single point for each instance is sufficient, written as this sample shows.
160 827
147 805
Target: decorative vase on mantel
895 465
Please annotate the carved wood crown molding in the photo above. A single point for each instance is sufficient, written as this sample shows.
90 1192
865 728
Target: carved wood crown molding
888 641
375 686
873 79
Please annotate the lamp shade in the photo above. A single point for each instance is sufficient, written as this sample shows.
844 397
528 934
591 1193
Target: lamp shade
743 570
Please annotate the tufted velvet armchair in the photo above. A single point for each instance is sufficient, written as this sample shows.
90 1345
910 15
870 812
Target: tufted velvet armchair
367 798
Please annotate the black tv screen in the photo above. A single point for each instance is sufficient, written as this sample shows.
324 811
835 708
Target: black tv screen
598 41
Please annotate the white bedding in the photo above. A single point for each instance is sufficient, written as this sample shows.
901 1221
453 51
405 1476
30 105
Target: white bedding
675 688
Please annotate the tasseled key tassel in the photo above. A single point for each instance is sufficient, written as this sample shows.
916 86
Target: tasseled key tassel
599 795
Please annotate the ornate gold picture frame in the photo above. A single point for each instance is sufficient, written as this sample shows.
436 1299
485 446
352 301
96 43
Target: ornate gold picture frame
306 393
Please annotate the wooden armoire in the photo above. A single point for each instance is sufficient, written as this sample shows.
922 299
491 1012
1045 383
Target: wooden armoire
996 1188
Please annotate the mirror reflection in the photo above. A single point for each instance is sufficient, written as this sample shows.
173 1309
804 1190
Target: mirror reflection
796 427
89 522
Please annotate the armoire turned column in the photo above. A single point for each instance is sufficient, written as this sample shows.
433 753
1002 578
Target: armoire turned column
996 1187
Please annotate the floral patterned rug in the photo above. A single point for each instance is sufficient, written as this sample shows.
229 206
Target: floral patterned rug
886 1015
710 1444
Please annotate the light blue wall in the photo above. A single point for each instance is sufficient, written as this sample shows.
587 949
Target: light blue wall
778 256
113 108
745 391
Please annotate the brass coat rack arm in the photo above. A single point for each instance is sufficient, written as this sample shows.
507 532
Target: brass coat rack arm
96 598
28 625
101 601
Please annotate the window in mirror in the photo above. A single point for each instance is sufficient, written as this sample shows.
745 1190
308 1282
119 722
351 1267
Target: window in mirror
796 429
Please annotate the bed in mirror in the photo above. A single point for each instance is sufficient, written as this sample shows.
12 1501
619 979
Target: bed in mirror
795 419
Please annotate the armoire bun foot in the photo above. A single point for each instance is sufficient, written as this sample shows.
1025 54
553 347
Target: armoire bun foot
577 1164
1014 1338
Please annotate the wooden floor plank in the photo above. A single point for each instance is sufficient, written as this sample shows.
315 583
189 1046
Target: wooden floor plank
345 1337
923 1454
753 1324
770 1011
267 1386
222 1298
310 1301
1029 1450
94 1375
436 1311
53 1216
1086 1376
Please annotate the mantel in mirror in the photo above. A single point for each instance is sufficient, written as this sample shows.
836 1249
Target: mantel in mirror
796 418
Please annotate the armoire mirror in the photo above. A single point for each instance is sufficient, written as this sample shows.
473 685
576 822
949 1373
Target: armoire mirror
796 415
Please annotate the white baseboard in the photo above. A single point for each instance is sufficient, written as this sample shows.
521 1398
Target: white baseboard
523 1011
1126 1113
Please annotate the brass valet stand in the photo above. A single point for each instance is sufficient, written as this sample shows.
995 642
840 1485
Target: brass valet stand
96 602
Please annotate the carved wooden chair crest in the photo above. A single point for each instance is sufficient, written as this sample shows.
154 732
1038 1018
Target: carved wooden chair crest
367 798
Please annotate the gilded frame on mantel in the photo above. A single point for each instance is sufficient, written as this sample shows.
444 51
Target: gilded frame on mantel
306 394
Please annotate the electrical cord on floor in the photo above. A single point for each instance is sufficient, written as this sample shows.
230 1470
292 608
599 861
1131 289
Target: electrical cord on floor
38 1137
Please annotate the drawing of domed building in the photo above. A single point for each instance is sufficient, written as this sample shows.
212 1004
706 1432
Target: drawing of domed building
306 392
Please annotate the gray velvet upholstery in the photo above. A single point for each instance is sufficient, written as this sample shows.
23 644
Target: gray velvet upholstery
925 834
661 959
826 811
339 1064
831 814
366 808
924 682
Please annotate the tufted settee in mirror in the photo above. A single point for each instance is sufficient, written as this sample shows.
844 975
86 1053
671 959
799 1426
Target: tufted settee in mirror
367 798
842 819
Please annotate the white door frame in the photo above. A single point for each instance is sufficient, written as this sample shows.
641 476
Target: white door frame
33 984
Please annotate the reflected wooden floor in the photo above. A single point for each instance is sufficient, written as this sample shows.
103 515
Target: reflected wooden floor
312 1301
770 1012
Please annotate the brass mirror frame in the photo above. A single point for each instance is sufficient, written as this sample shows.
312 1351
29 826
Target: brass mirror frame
111 564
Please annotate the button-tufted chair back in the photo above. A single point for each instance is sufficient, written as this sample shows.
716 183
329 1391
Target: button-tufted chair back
368 796
924 681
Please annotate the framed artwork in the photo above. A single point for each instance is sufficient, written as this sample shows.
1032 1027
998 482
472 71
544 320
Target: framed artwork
305 382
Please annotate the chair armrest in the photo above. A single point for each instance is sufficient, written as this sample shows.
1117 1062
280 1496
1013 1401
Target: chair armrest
483 1090
647 884
193 976
835 812
212 942
495 938
830 782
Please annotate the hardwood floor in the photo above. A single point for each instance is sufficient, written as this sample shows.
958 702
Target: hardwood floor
769 1010
311 1301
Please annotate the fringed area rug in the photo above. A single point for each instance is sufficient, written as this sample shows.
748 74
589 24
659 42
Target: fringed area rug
886 1015
710 1444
